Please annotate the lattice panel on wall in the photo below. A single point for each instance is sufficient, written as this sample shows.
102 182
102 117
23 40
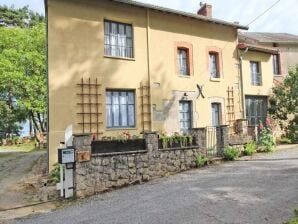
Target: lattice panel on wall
89 103
231 109
145 106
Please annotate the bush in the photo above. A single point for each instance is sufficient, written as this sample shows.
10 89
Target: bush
267 140
201 160
231 153
250 149
54 176
292 130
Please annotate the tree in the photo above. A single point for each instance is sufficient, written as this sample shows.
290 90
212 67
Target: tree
23 17
284 105
23 74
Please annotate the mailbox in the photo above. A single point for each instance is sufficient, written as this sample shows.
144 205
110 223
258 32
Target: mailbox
66 156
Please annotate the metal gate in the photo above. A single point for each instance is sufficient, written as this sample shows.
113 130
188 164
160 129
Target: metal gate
212 142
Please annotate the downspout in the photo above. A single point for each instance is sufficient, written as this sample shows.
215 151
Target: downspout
47 83
242 84
148 64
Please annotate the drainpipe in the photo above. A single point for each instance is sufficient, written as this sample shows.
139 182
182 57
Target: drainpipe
148 64
241 82
47 82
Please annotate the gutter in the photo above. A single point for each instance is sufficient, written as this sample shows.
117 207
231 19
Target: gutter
149 64
242 83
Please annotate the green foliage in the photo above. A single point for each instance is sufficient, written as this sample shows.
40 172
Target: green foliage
267 140
284 105
250 149
295 219
181 140
23 75
292 129
201 160
22 17
231 153
54 176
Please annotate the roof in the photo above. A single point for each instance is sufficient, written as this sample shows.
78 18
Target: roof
261 37
252 47
181 13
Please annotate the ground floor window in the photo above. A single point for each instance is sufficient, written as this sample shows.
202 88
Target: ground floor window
185 116
256 109
120 108
216 114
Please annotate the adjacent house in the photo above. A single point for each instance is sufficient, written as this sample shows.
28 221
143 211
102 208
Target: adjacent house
119 66
266 59
286 44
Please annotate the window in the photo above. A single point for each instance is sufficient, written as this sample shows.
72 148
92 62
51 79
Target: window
213 65
120 109
183 61
276 64
216 114
256 109
185 116
118 39
256 76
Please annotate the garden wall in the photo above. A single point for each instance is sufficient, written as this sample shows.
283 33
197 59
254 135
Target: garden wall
103 171
111 170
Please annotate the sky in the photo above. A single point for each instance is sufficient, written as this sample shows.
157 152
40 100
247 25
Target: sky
281 18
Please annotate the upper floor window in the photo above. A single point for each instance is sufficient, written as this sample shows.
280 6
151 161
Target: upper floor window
214 65
276 64
183 61
118 39
256 76
120 109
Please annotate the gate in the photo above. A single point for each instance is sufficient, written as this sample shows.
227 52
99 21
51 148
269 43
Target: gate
212 142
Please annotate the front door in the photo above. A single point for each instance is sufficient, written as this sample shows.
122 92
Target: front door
185 116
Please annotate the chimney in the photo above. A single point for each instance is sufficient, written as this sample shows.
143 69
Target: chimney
205 10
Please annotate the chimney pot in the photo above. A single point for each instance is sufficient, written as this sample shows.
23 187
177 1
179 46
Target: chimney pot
205 10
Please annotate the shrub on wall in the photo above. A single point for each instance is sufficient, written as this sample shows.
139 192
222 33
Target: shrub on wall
201 160
250 149
231 153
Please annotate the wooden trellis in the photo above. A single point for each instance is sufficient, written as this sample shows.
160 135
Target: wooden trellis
90 115
231 108
145 106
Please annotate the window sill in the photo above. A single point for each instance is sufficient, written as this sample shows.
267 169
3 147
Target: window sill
119 58
184 76
215 79
121 129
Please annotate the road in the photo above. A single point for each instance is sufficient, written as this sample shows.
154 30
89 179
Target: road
262 190
14 168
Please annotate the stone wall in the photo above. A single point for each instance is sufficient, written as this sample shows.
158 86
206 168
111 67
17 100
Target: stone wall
106 171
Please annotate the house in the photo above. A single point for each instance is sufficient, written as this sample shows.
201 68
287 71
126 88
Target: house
285 43
266 59
119 66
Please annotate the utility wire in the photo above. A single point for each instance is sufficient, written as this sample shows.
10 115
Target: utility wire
263 12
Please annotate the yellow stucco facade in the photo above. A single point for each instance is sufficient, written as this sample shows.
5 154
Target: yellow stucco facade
76 51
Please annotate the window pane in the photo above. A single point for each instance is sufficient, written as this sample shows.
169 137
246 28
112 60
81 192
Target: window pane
131 115
123 111
109 98
131 99
109 115
128 31
213 65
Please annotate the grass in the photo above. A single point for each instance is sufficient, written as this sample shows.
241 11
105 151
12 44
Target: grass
293 220
27 147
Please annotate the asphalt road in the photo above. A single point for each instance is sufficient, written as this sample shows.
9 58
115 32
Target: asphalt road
263 190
